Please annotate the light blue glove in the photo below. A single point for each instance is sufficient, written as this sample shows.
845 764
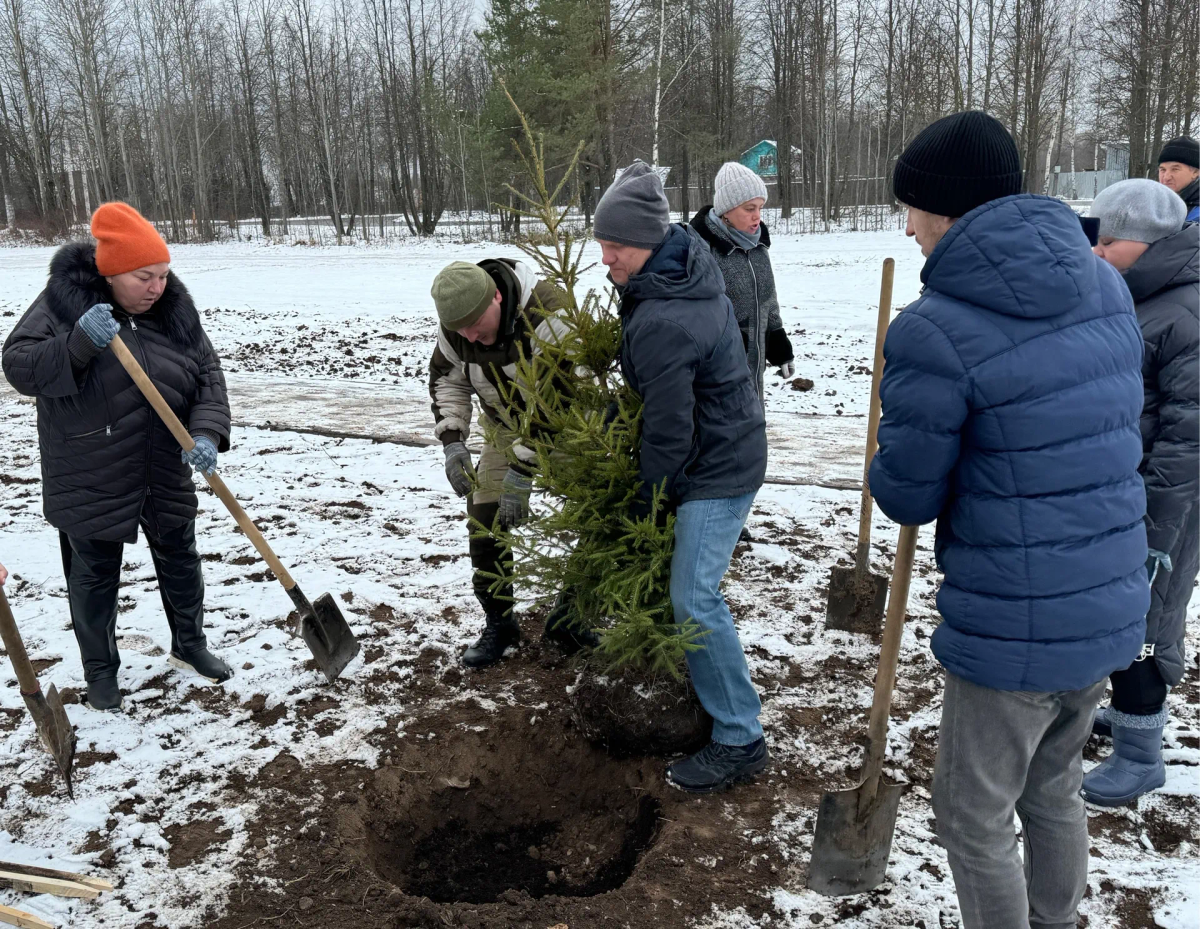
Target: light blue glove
1155 561
514 499
98 325
203 457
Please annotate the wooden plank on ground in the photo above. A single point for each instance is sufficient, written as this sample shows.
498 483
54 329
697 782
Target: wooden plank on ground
87 880
13 917
32 884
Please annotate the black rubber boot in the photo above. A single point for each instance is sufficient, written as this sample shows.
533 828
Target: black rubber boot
563 630
104 694
204 663
502 633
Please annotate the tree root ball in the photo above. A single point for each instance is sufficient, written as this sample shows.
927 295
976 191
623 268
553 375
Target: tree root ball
634 714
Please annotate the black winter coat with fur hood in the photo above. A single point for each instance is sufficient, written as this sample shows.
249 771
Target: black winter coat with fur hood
103 447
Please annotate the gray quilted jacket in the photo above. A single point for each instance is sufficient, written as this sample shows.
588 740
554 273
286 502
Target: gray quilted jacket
750 286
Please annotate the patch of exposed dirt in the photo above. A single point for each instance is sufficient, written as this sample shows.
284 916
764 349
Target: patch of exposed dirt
191 841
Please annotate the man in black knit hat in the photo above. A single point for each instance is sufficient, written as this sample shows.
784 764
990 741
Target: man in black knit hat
1011 399
1179 169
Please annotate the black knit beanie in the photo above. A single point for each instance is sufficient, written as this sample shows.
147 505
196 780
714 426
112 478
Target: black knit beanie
956 164
1184 150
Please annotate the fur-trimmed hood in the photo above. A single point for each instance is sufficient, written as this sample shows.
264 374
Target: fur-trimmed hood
74 286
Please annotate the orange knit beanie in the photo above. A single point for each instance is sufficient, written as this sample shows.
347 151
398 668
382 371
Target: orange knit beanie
125 241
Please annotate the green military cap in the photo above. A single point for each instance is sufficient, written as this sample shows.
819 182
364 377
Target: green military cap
462 292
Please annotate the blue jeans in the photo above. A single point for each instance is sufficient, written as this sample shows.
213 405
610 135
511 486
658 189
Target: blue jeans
706 532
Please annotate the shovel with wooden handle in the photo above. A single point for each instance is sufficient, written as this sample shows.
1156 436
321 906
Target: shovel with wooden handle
322 625
856 596
855 827
47 709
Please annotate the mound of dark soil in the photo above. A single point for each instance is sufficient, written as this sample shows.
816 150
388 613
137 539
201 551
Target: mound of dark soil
630 714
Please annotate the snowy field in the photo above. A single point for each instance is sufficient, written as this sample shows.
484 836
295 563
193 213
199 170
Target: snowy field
326 353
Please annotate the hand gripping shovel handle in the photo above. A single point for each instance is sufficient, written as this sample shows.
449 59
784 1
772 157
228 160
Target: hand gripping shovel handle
146 386
26 679
889 656
862 556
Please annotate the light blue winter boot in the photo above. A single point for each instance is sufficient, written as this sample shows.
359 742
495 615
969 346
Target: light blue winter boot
1136 764
1100 724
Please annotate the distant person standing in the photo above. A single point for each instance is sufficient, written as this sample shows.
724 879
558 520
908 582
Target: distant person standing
1179 169
1140 236
739 241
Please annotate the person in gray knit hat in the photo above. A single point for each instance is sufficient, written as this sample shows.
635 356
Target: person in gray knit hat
491 314
1140 236
633 211
703 446
740 242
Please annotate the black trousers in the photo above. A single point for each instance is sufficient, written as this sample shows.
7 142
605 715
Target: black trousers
487 555
93 572
1139 690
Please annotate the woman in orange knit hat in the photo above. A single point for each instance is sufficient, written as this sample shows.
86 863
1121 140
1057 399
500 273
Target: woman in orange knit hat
109 465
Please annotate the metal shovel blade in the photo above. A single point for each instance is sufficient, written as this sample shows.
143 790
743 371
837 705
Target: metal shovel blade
55 729
856 601
328 636
851 846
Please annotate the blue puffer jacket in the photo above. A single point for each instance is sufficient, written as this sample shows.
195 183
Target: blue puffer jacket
703 431
1011 397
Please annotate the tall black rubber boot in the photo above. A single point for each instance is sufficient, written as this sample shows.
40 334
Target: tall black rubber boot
564 628
93 573
180 573
487 555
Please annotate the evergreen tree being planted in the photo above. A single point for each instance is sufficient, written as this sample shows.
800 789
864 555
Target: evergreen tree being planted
572 408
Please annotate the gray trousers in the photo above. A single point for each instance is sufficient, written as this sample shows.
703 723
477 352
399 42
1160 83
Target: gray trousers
1001 752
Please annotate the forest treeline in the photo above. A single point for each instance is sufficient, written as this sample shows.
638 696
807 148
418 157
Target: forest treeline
203 112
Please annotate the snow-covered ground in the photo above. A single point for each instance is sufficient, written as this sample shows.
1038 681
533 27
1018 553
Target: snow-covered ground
326 353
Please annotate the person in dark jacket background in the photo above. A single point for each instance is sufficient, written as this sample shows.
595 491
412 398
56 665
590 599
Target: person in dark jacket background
1011 397
1140 236
1179 169
704 445
740 241
109 465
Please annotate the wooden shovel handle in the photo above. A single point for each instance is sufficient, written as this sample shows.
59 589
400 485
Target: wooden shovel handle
26 679
889 657
146 386
862 557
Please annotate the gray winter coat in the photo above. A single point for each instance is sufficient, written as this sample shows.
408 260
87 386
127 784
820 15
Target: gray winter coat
1165 284
103 448
750 286
703 431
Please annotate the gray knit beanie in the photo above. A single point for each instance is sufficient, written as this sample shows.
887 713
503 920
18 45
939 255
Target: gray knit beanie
1140 210
735 184
634 210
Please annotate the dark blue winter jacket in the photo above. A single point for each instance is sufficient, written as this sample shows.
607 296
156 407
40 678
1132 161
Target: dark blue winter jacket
1011 395
703 430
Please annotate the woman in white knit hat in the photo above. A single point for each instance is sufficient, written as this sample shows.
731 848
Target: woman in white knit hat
738 238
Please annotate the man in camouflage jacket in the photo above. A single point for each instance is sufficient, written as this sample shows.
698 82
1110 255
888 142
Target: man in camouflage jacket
491 314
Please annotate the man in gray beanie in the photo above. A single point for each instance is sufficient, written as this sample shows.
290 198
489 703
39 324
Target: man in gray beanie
1140 236
704 447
